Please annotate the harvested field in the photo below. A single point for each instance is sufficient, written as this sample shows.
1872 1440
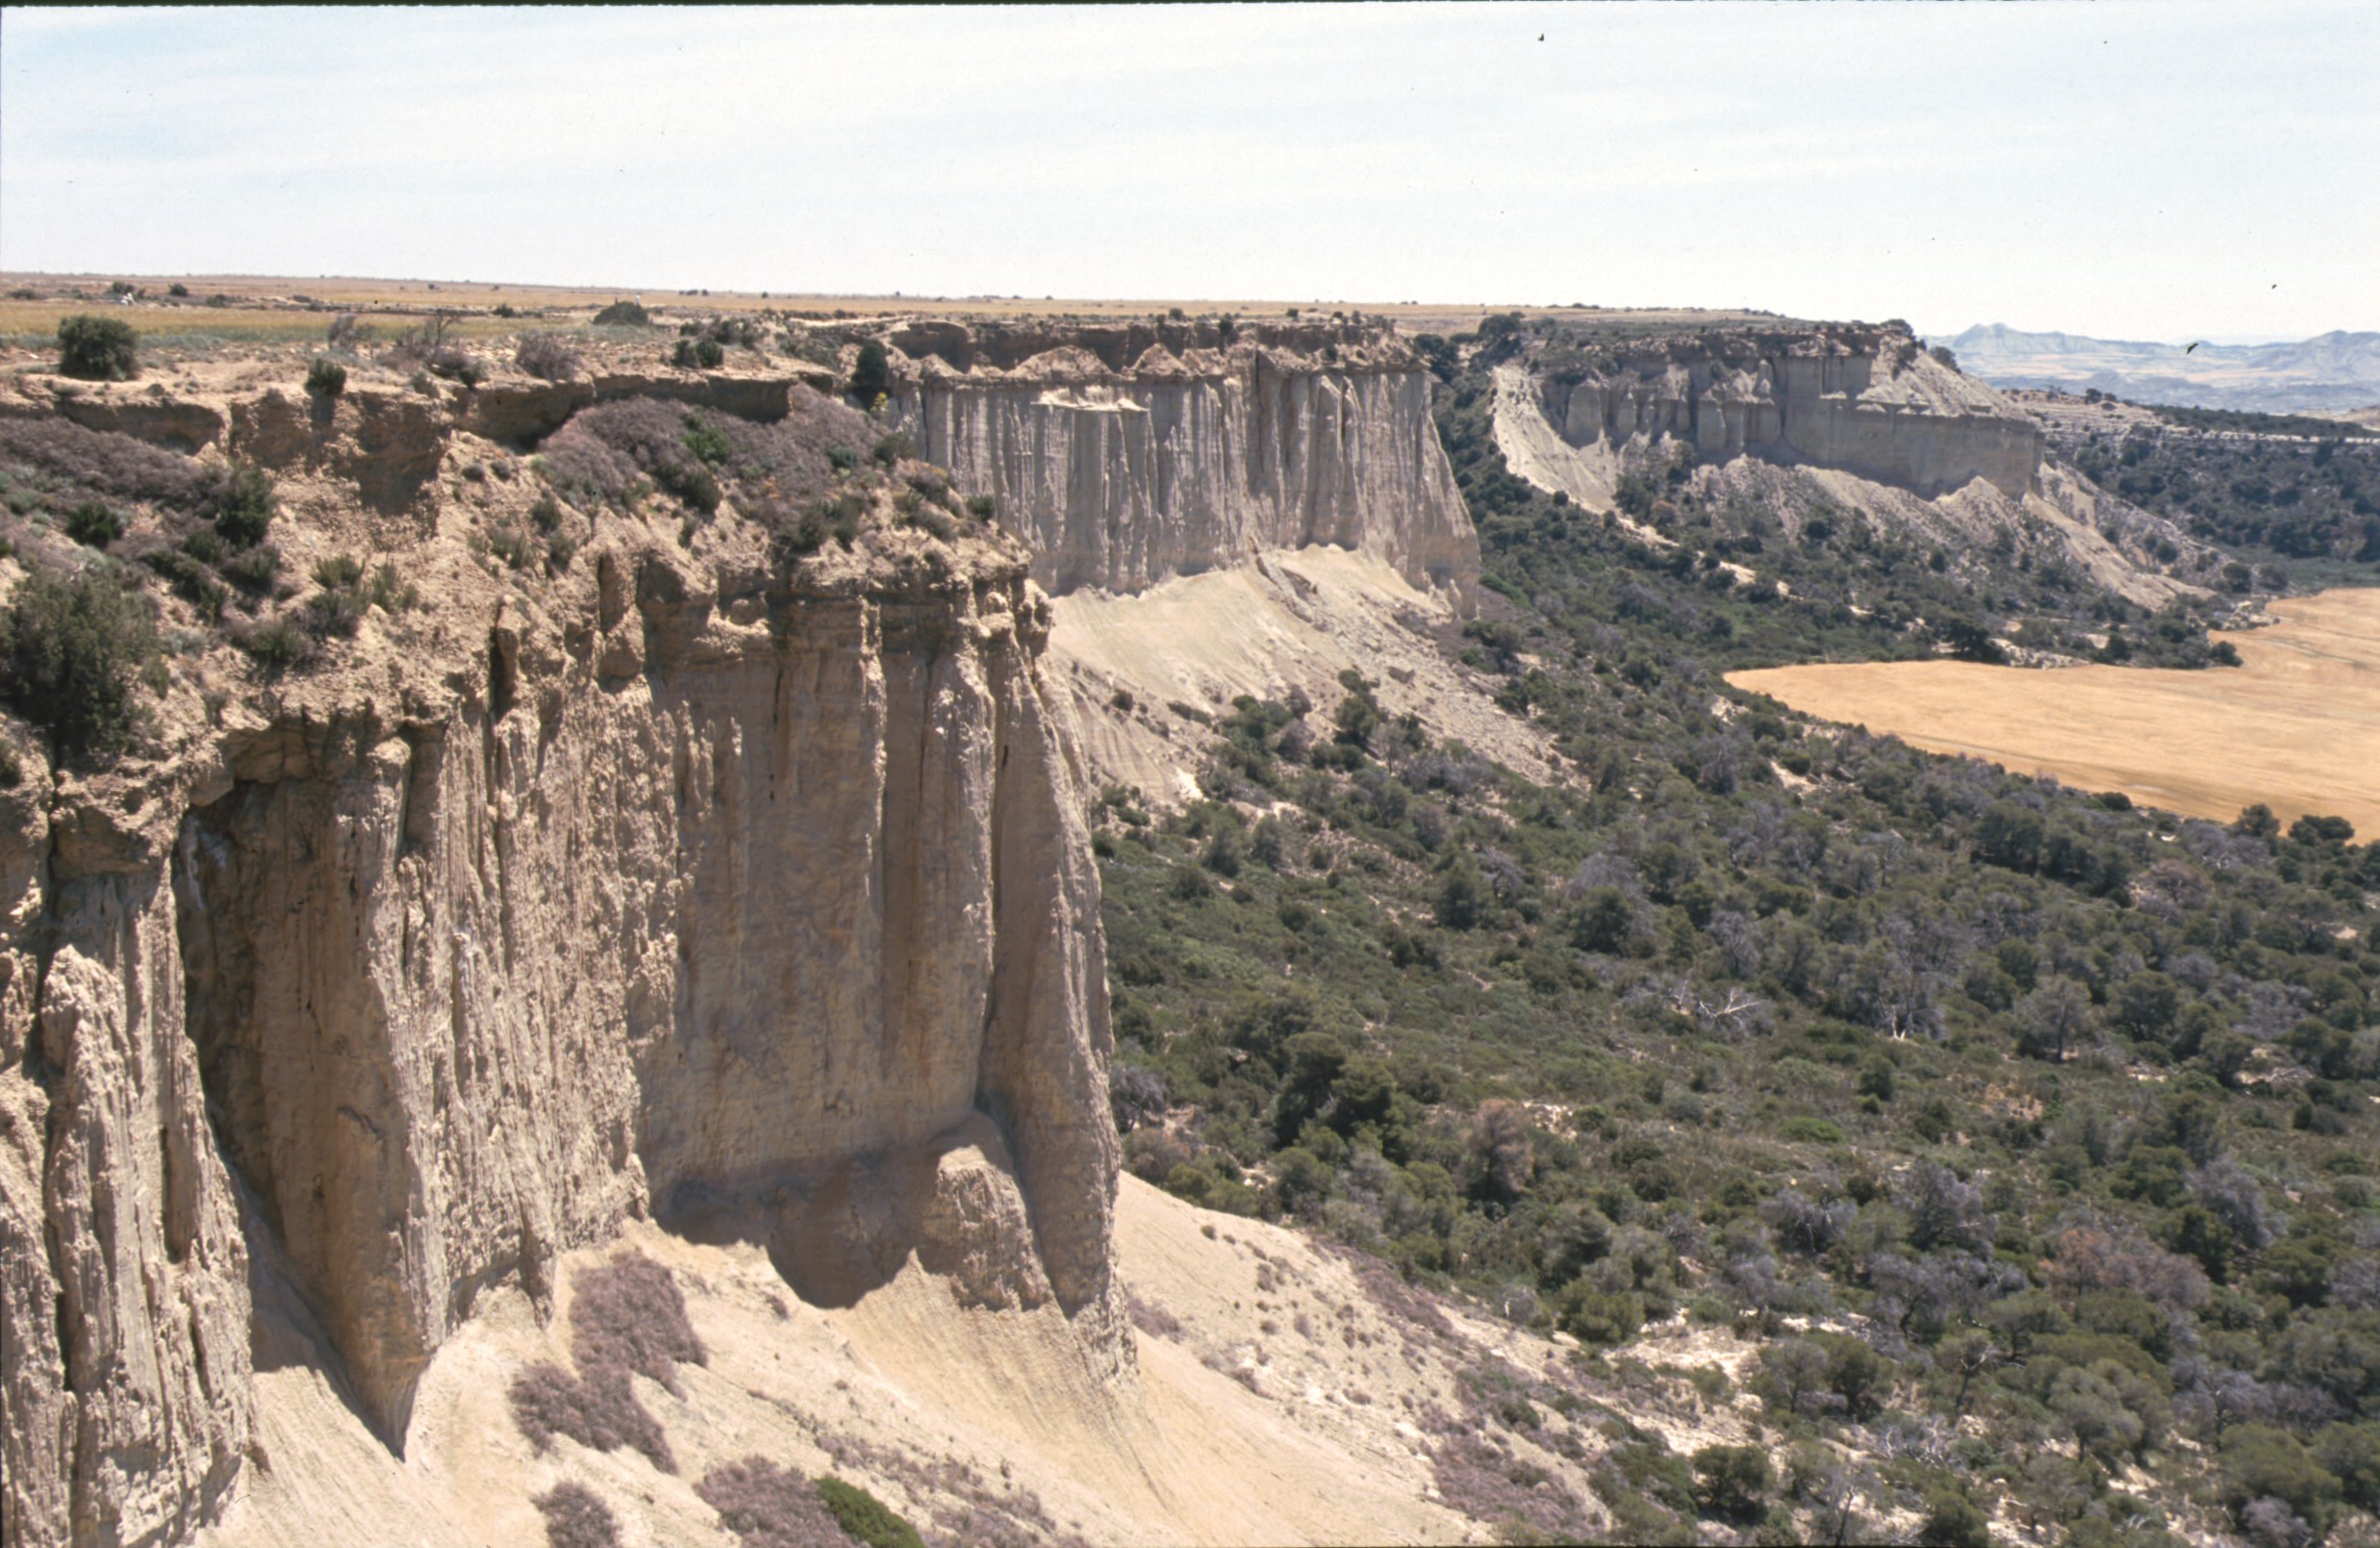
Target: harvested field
2297 728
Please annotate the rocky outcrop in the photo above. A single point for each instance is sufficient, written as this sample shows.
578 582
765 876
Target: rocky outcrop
687 891
388 444
147 412
1864 401
123 1325
153 417
1127 453
520 412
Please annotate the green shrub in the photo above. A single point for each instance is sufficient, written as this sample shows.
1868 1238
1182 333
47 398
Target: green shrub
255 571
246 507
511 544
2260 1462
982 507
1812 1131
189 579
390 594
335 612
697 354
74 646
99 349
623 315
931 521
844 518
864 1517
892 447
277 647
708 443
871 375
698 486
339 572
1732 1481
325 377
93 525
1593 1317
1955 1521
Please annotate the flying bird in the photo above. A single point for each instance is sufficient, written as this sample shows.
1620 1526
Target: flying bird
2194 347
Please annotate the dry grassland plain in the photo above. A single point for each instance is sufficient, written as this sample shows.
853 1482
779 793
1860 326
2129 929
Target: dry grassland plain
268 309
2298 726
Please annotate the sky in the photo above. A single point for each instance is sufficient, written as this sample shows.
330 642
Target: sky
2144 171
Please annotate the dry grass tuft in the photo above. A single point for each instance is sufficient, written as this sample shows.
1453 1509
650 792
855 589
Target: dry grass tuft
629 1315
102 462
626 1318
770 1507
575 1518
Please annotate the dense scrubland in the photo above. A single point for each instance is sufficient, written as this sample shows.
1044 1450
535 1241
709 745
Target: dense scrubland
2293 500
2029 1131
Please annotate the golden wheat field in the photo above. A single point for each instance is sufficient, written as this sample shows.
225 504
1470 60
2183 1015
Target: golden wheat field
2298 726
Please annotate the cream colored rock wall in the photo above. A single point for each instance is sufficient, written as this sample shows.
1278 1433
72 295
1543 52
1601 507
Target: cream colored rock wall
123 1270
1119 479
1837 404
679 906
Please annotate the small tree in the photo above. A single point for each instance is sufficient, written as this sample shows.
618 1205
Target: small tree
871 378
1954 1520
1970 641
1732 1481
99 349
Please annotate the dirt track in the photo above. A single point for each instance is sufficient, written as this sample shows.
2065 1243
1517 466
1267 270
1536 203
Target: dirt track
2297 728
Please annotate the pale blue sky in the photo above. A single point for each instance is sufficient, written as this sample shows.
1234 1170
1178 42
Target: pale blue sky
2140 170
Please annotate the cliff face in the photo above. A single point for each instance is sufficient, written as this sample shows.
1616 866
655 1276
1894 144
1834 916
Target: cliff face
1125 455
680 889
1864 401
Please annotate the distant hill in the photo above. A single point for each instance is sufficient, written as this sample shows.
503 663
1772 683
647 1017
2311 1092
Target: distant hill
2331 374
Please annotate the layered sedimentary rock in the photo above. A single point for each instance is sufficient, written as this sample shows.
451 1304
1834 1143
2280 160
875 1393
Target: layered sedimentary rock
684 890
1125 454
1865 400
744 895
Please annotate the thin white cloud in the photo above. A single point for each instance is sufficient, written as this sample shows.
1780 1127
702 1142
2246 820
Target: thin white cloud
2118 167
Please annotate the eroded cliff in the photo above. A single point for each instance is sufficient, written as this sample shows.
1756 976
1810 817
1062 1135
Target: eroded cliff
1126 454
1864 401
693 882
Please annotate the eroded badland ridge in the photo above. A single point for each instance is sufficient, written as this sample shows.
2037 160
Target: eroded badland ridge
604 828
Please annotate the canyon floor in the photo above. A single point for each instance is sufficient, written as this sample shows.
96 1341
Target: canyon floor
2298 726
1285 1392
